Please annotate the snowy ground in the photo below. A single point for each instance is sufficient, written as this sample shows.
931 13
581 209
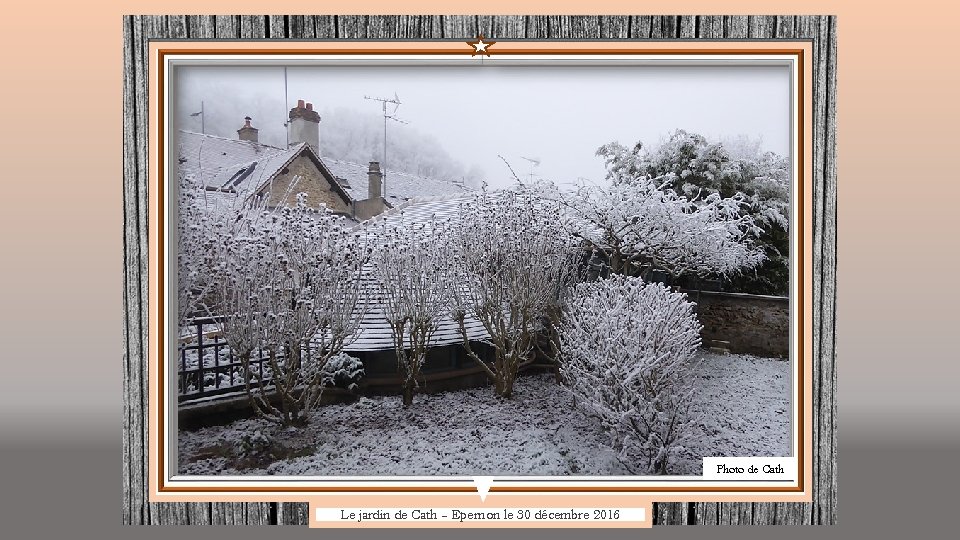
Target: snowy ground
743 400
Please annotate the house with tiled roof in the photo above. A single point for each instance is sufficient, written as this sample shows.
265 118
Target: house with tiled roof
240 171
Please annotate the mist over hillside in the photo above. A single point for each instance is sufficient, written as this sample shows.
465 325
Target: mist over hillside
345 134
352 135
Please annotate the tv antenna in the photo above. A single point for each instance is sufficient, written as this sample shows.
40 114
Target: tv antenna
392 115
534 162
286 103
203 120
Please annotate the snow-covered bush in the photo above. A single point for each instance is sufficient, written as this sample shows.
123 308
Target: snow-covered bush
252 443
626 348
342 371
288 283
510 259
410 268
198 228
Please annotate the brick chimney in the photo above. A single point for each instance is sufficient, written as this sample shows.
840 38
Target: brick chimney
248 132
374 181
304 126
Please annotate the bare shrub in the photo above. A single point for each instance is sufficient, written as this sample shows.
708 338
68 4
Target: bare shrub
410 268
288 284
509 260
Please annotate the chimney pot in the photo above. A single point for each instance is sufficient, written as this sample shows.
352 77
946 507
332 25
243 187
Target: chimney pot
299 103
248 132
309 106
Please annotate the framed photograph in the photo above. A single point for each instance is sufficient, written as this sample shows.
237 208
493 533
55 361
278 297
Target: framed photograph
551 273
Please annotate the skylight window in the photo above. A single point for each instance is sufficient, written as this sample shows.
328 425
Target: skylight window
240 175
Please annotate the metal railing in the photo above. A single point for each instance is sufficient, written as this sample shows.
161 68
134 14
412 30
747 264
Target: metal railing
207 367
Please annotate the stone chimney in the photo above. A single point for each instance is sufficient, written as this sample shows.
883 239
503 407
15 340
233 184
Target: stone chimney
248 132
374 181
374 204
304 126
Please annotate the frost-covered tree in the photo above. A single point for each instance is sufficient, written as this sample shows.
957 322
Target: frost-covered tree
696 168
509 261
627 346
289 285
692 165
641 224
410 268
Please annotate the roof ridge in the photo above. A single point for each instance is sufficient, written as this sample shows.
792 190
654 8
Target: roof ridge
397 210
187 131
293 149
401 172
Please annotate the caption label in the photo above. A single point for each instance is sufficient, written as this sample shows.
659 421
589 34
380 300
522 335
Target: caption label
749 468
478 515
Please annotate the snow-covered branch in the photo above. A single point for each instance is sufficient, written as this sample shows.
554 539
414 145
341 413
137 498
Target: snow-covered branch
641 225
754 184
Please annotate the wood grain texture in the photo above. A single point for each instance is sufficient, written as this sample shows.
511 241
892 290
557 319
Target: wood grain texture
138 29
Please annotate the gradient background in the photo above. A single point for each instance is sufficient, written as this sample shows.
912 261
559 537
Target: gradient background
61 219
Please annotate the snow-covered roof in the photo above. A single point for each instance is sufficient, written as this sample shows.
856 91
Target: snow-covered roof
206 156
248 176
242 167
400 186
419 211
220 203
375 333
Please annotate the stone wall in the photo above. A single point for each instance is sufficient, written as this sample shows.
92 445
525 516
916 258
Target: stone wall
312 182
750 323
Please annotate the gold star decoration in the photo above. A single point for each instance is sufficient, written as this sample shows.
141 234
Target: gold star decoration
480 46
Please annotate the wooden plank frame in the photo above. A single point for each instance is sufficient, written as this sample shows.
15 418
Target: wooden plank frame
138 30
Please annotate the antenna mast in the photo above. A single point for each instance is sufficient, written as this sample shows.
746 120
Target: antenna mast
391 116
286 105
203 123
534 162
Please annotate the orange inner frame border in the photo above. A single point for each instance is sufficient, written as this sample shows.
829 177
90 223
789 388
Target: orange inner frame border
798 50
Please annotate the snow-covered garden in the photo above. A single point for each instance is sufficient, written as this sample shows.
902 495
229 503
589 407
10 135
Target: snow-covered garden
546 275
743 411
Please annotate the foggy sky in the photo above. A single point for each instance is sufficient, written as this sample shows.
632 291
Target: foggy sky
560 115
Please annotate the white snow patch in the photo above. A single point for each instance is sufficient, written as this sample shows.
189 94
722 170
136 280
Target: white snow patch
744 402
